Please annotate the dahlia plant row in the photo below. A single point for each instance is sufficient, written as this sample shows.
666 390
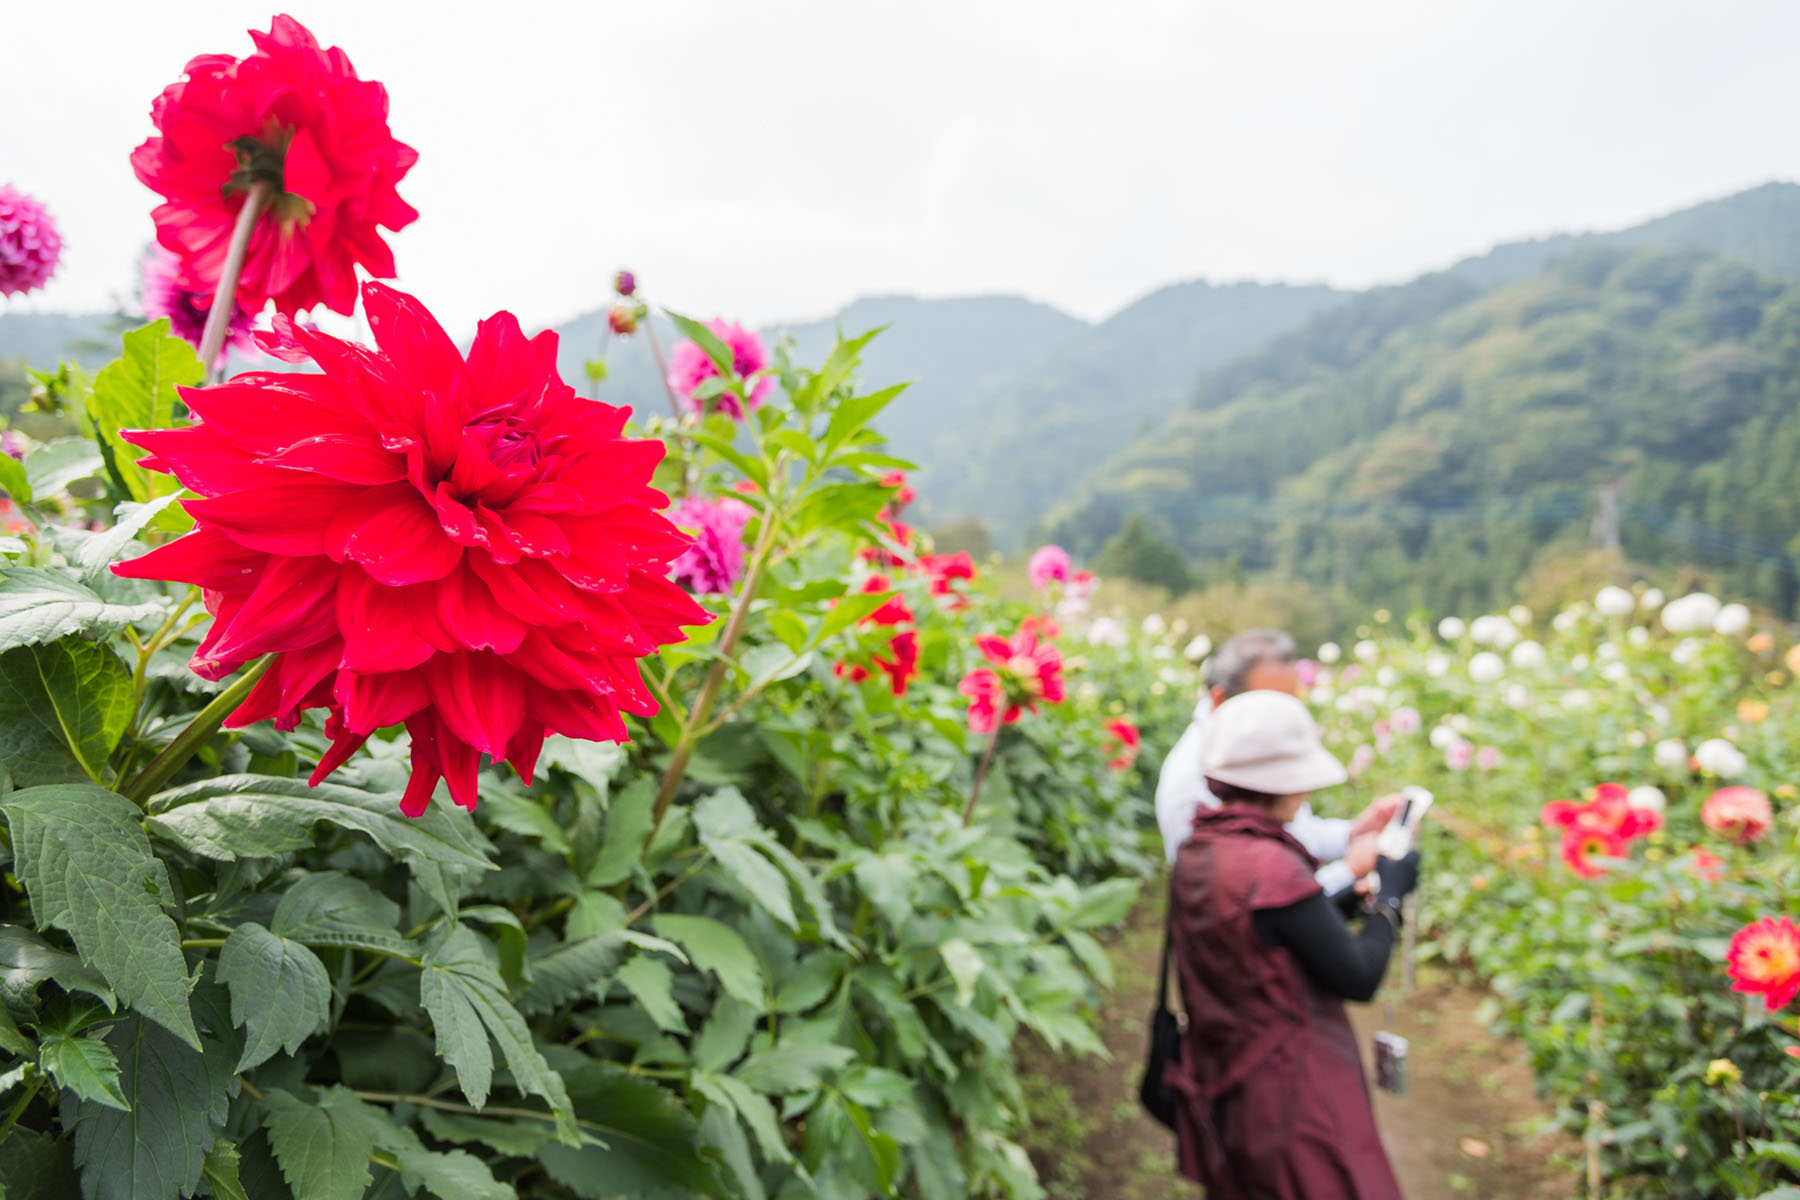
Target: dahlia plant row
1616 855
417 779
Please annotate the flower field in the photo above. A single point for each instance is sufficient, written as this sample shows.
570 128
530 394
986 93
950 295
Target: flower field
1617 850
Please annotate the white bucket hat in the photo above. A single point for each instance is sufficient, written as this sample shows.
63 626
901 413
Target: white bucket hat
1268 742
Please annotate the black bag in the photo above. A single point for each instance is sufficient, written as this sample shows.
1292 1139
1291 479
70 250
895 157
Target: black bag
1165 1042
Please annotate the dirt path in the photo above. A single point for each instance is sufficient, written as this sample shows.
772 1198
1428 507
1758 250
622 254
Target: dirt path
1465 1128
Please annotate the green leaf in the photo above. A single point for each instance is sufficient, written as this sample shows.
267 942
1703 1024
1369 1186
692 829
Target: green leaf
220 1170
652 985
576 968
13 480
87 867
330 909
11 1039
838 1129
466 999
138 392
40 606
258 816
98 551
849 611
708 341
63 707
27 960
792 1067
53 466
789 628
510 1139
728 829
716 947
323 1148
726 1034
965 966
752 1106
649 1147
1104 904
627 825
85 1066
856 412
178 1096
839 506
838 365
454 1173
37 1166
280 993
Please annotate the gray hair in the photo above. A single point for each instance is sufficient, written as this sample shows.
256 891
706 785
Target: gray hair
1230 667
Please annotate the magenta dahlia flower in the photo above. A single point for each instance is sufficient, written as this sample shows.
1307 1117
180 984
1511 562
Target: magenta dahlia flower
468 547
689 368
295 116
164 296
1048 565
715 562
30 246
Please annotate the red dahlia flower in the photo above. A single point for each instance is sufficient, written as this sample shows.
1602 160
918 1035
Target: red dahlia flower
467 547
1123 738
1739 813
945 570
297 117
893 611
1024 672
1764 960
1604 825
903 491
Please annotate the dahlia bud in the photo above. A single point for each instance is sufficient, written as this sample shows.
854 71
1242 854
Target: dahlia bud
625 283
623 319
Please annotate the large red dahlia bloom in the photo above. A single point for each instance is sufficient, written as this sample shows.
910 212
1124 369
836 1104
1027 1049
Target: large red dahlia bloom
297 116
1023 672
467 547
1764 960
1603 826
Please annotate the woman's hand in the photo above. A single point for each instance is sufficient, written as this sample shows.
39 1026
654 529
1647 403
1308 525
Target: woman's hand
1363 852
1375 817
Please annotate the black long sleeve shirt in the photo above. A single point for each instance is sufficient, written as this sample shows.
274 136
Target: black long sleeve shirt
1343 963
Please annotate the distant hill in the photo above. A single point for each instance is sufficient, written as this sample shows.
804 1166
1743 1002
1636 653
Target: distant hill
1425 444
43 339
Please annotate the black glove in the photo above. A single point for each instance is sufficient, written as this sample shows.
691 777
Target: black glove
1399 876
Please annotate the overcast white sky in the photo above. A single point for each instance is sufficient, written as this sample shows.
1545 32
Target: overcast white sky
776 159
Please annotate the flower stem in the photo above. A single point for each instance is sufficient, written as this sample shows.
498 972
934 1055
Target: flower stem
224 303
22 1103
206 723
981 772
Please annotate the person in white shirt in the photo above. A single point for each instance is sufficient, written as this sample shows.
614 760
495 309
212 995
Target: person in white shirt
1262 660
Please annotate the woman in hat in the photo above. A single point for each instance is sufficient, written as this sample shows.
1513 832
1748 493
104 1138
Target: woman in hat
1274 1102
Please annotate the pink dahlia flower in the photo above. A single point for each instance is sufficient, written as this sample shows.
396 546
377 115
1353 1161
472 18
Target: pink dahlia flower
164 296
1048 565
465 546
689 367
715 562
1739 813
29 244
1022 673
1488 759
295 116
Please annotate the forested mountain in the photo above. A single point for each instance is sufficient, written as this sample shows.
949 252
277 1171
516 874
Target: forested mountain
1426 443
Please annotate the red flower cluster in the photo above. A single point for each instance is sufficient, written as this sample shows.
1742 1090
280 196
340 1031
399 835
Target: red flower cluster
1123 740
1764 960
1739 813
1023 672
296 116
467 547
902 662
1605 826
897 548
946 570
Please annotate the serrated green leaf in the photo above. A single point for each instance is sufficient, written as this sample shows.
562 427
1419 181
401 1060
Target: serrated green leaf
257 816
27 960
723 1134
12 1039
63 707
453 1173
725 1036
37 1166
750 1105
572 969
87 867
728 829
526 816
849 611
838 1129
40 606
1104 904
627 825
965 966
512 1139
652 985
792 1067
53 466
466 999
178 1096
13 480
220 1170
85 1066
280 994
323 1148
838 506
789 628
137 391
330 909
709 342
100 550
856 412
649 1143
716 947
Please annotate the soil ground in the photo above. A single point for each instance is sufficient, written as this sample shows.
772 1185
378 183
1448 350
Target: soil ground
1467 1127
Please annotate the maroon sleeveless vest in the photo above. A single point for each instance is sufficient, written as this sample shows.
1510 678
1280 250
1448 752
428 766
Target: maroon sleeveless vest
1275 1103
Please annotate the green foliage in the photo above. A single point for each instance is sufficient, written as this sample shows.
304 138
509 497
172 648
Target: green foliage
1136 553
753 952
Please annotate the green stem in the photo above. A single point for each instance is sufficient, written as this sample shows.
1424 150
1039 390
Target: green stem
174 756
981 773
224 304
20 1105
